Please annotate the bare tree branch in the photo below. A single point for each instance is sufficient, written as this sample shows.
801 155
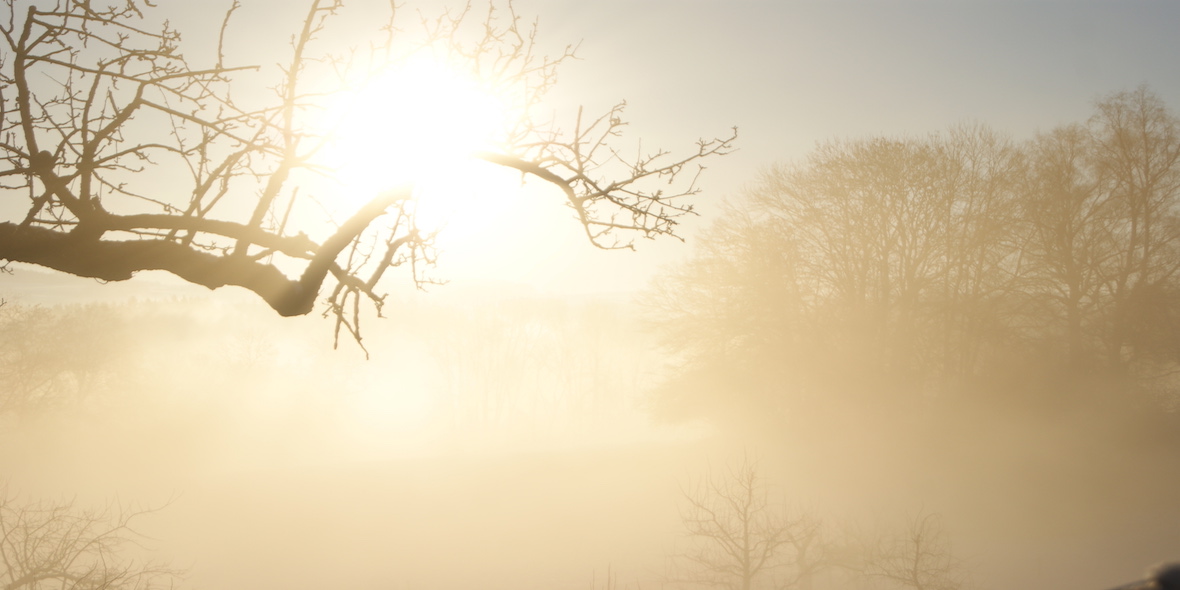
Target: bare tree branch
96 106
46 545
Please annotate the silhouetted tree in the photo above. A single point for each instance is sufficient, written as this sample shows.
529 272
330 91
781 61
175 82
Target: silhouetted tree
739 538
98 103
919 557
891 272
47 545
1072 243
975 293
877 267
1103 211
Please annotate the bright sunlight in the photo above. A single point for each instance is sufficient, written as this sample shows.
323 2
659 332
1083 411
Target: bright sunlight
420 124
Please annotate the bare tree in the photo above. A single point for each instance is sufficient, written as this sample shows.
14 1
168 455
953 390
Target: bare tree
1103 212
1137 144
875 270
1072 238
896 274
918 557
97 103
739 539
56 545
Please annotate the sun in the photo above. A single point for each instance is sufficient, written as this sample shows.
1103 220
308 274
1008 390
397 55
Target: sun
418 124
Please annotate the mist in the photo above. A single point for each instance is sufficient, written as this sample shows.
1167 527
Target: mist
515 440
507 433
912 324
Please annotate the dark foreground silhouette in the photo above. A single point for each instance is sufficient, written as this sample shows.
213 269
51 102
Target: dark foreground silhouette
1164 577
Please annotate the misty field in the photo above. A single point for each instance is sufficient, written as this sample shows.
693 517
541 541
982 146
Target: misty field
546 294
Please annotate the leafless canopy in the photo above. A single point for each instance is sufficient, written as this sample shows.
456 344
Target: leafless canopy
739 539
57 545
920 557
904 272
120 155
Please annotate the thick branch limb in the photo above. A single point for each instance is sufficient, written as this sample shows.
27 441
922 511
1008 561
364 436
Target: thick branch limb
119 261
299 246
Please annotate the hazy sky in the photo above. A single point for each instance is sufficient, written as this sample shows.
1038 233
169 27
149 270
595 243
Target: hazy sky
788 74
791 74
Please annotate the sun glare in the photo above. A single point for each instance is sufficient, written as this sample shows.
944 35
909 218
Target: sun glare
419 124
414 124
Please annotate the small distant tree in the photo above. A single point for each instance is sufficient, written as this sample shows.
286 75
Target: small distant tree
739 539
56 545
918 557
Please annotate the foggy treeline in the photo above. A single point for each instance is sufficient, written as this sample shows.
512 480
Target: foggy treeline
204 410
963 269
961 322
537 364
958 332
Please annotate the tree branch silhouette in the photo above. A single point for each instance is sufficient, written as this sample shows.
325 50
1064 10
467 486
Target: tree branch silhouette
129 157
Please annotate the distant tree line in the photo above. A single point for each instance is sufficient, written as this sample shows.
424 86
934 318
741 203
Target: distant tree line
894 272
